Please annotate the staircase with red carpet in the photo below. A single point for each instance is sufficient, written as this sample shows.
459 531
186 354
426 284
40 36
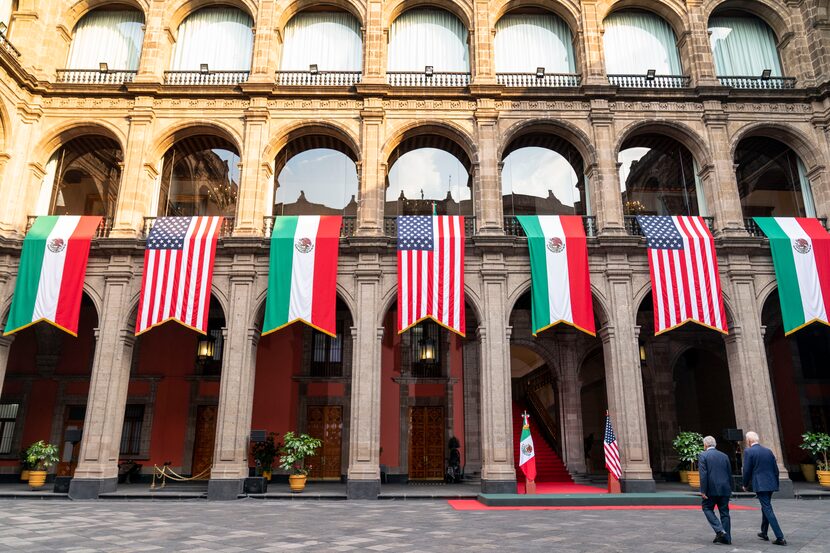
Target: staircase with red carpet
549 467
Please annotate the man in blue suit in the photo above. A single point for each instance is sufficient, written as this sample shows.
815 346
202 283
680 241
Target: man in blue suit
761 470
715 489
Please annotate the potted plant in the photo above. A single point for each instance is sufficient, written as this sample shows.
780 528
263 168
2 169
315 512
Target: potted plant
294 450
683 471
24 466
689 445
818 444
808 468
40 456
265 453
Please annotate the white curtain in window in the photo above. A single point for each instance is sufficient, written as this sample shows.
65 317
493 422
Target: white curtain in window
111 37
637 41
806 190
6 11
702 207
743 46
220 37
525 42
47 185
329 39
428 37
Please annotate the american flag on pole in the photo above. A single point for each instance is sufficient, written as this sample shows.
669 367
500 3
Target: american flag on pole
431 271
685 285
612 450
178 271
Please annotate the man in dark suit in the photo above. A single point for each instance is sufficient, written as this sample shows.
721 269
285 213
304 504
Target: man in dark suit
715 489
761 470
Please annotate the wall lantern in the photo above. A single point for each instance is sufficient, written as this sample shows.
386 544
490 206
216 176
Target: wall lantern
429 70
103 67
313 69
540 72
766 74
428 350
203 68
205 348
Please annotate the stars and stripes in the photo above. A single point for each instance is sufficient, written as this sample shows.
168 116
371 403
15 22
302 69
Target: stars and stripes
612 450
178 271
685 284
431 271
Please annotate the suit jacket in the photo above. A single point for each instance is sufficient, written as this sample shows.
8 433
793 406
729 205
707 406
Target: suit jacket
760 469
715 473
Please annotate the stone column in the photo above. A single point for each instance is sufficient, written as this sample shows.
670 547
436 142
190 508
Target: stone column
592 55
138 180
364 430
498 473
699 51
374 45
253 186
570 399
624 383
16 202
484 71
472 407
605 179
236 388
718 179
97 470
489 212
156 44
5 346
372 170
266 52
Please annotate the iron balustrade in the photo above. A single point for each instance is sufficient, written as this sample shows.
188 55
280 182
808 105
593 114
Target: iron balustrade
643 81
753 229
512 227
321 78
95 76
532 80
348 228
8 46
390 226
758 83
224 231
103 230
419 78
205 78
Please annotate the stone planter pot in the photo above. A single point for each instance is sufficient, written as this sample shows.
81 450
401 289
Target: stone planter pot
684 476
24 475
694 479
809 471
297 482
37 478
824 478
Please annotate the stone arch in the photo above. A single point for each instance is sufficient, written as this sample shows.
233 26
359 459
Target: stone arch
644 291
5 126
390 298
462 9
598 301
771 12
785 133
178 11
354 7
673 11
128 323
542 351
309 128
444 129
88 290
569 11
72 15
680 132
179 131
61 134
572 134
256 320
764 295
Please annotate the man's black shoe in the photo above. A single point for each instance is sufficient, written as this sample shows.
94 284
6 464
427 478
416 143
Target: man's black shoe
779 541
763 536
720 537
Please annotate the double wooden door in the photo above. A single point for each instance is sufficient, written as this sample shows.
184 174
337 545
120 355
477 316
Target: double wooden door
426 443
204 440
73 419
325 422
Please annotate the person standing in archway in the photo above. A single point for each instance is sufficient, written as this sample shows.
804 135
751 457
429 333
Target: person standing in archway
761 470
716 489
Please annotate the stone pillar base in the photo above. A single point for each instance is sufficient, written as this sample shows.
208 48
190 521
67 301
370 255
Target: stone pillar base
91 488
363 489
498 486
224 490
638 486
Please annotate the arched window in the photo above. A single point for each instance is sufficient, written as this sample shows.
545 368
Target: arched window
772 180
636 42
658 176
220 38
744 46
329 40
525 42
113 36
428 37
200 176
82 178
7 7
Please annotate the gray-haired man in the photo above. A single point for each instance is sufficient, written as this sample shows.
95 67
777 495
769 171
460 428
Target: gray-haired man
716 489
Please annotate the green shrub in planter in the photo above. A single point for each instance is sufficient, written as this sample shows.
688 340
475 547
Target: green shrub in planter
688 445
294 451
818 444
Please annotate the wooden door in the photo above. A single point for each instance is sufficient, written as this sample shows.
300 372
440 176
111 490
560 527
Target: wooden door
426 443
204 440
325 422
73 419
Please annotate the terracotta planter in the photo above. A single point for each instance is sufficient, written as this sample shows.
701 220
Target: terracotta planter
684 476
809 472
267 475
37 478
297 482
824 478
24 475
694 479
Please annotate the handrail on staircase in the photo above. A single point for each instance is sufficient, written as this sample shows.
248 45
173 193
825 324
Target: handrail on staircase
544 422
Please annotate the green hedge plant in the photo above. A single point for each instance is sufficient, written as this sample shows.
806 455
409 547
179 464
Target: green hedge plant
41 455
688 445
818 444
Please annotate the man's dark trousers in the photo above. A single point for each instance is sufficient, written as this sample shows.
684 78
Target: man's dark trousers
725 522
768 515
716 489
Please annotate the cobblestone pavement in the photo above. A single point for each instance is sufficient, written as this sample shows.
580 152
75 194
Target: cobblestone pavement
396 526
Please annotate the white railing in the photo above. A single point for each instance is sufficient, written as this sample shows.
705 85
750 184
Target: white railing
411 78
95 76
771 83
644 81
534 80
8 46
205 78
321 78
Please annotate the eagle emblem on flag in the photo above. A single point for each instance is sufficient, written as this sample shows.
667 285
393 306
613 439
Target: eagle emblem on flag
556 245
802 246
304 245
56 245
527 449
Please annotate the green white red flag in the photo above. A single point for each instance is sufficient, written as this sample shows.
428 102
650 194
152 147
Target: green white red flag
50 280
302 277
801 256
560 281
527 455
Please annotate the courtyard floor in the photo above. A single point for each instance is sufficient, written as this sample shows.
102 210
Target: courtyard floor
396 526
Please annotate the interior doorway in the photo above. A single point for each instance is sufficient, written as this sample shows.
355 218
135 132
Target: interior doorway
204 441
325 422
426 443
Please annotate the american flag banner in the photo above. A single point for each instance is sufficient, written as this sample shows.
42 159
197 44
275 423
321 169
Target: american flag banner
612 450
685 284
178 271
431 271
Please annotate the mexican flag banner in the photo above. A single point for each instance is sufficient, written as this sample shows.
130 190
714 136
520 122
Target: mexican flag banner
302 276
801 256
527 455
52 270
560 283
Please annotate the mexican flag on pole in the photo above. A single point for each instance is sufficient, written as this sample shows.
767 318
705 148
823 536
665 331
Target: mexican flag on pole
302 276
52 270
560 283
527 455
801 256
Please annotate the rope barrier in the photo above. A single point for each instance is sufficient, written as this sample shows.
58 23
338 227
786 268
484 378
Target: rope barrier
164 473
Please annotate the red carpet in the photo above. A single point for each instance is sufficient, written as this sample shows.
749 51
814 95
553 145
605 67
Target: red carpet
561 487
474 505
549 467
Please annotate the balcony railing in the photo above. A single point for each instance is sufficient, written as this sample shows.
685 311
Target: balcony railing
205 78
753 229
534 80
95 76
8 46
632 226
348 228
420 78
225 231
644 81
103 230
512 227
771 83
321 78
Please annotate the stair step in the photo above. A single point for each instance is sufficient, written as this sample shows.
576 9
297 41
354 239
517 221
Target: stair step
549 467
